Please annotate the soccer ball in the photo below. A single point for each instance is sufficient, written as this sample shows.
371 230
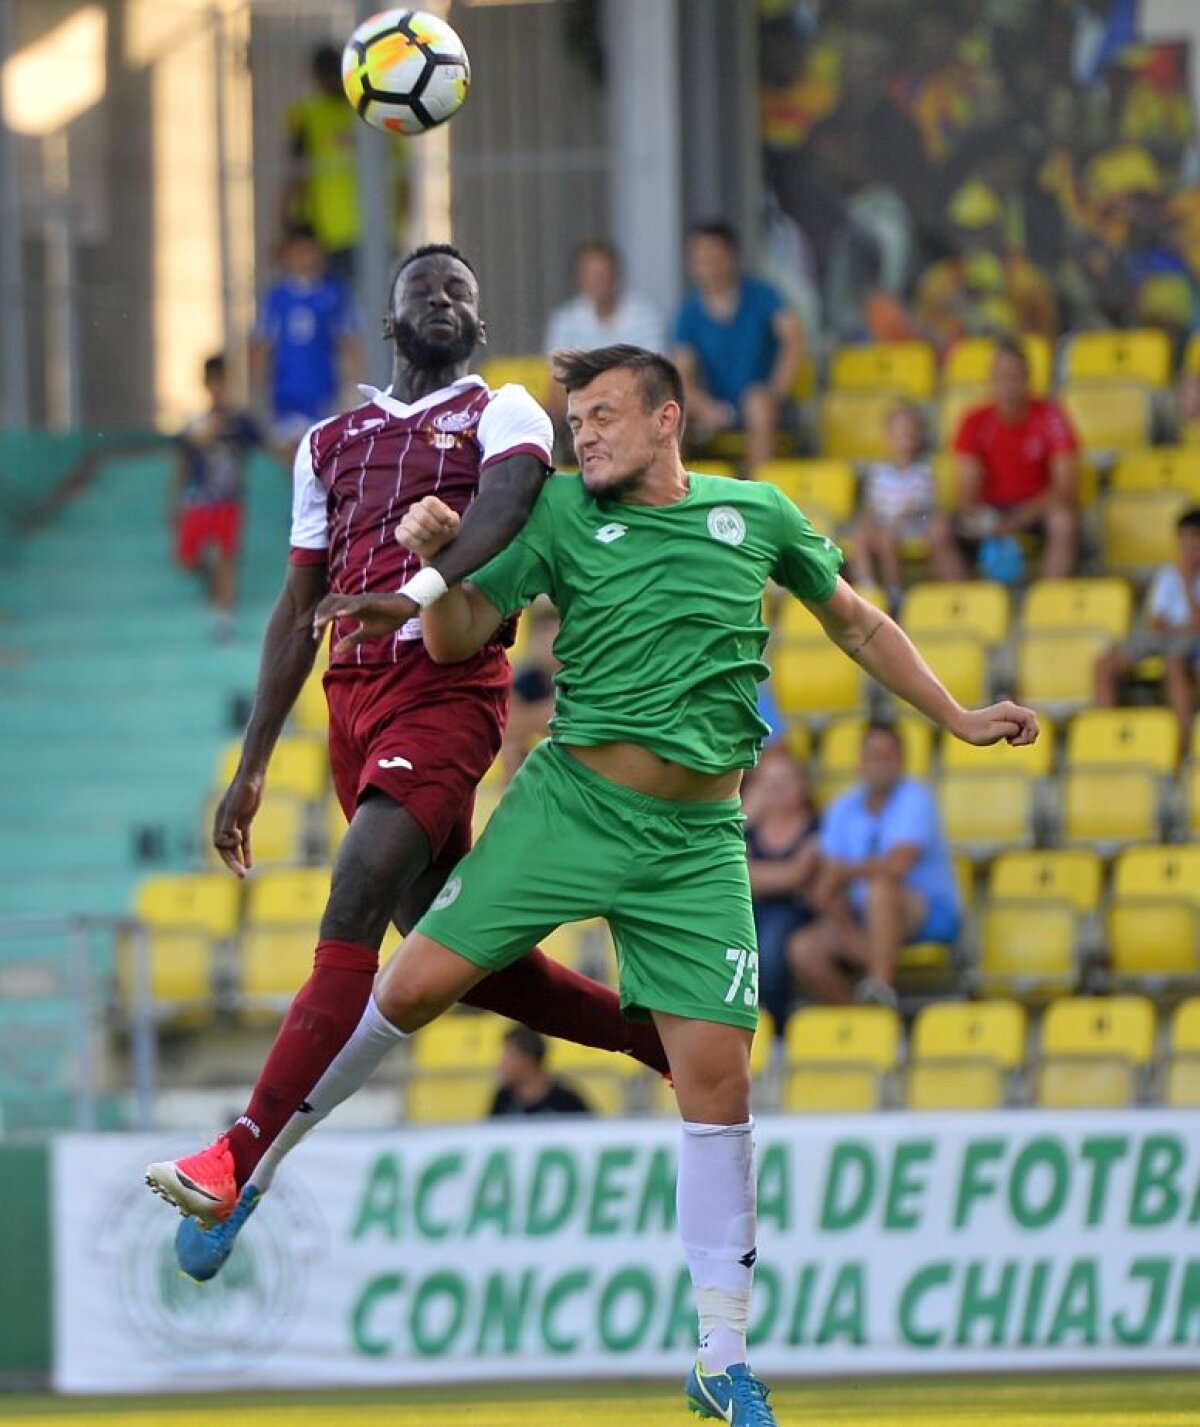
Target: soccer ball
405 71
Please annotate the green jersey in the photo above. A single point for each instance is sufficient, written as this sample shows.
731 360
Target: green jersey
662 632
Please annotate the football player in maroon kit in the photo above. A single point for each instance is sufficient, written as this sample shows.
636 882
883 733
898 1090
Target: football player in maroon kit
409 740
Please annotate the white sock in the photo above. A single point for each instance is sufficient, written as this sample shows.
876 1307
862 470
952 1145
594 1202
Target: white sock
350 1069
717 1210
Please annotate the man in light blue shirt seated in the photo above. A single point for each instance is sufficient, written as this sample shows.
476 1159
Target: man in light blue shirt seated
887 879
736 343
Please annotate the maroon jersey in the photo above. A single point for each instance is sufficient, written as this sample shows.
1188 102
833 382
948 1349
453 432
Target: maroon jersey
356 475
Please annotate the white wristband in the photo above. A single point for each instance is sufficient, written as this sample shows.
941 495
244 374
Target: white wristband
425 587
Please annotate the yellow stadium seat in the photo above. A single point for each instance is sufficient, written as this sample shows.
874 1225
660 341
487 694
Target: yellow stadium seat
962 1054
1171 870
1101 604
274 962
841 746
1152 926
299 765
953 406
1142 355
1056 671
1108 807
1153 939
532 372
1182 1090
190 901
985 811
1092 1050
1034 760
1071 875
279 833
710 466
979 608
1159 468
288 897
969 363
816 678
310 713
1193 797
453 1069
1110 416
945 475
902 368
180 974
1027 948
1123 738
829 485
602 1077
838 1057
1139 528
853 424
960 662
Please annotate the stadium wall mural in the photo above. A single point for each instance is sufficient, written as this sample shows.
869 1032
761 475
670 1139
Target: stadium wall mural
948 1243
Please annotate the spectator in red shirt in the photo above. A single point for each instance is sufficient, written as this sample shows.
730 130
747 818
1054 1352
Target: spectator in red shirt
1018 473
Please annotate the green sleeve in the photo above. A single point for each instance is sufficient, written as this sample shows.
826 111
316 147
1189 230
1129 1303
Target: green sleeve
521 571
807 562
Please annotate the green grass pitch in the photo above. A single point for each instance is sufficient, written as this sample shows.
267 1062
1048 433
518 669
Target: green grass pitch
1124 1400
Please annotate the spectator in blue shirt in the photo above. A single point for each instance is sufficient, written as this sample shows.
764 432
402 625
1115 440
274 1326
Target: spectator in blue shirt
737 345
306 343
886 879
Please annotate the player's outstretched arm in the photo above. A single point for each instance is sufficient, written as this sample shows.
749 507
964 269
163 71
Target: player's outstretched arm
508 491
287 658
462 621
876 642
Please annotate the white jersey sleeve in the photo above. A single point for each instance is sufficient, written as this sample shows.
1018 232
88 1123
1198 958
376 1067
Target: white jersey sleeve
514 422
310 525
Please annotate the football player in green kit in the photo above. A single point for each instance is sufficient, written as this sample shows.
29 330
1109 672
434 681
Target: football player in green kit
630 810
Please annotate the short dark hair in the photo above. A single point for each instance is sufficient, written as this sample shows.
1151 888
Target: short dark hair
717 228
1189 519
660 379
1011 347
428 250
528 1042
886 726
215 366
300 232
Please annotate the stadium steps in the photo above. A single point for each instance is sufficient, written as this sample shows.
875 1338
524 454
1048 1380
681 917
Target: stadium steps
114 696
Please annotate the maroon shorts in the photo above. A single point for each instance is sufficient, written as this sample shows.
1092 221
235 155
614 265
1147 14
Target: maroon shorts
425 742
204 525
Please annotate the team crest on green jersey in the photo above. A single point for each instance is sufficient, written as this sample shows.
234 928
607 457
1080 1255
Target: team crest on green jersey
726 524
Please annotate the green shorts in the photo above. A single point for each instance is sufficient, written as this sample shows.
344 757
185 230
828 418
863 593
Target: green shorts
670 879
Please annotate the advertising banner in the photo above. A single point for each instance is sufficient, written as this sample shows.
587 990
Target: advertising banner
886 1244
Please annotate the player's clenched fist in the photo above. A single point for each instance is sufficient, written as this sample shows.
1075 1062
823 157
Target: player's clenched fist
427 526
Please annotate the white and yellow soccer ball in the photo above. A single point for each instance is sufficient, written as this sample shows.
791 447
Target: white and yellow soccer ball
405 71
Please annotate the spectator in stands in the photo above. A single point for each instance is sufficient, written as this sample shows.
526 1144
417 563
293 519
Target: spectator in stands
601 314
1170 631
886 879
205 506
899 503
984 289
532 691
739 348
784 856
322 187
526 1086
306 345
1018 475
